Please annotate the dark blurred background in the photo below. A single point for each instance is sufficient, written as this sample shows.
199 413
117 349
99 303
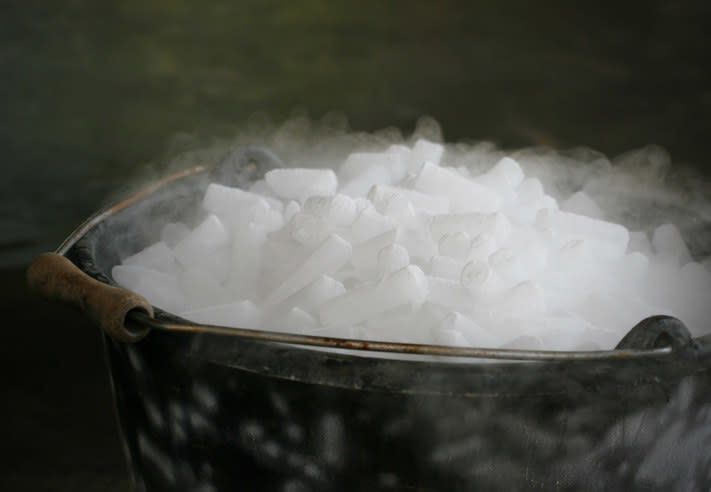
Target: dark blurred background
94 93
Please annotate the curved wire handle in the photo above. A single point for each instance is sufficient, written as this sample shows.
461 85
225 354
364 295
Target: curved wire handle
394 347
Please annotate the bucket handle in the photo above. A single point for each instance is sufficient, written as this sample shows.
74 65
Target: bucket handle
58 279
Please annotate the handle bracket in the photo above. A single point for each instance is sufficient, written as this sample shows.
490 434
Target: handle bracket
58 279
657 332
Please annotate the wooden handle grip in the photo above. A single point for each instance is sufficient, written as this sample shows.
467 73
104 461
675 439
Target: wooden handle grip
57 278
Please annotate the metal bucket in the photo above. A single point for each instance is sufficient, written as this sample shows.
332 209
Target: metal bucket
204 408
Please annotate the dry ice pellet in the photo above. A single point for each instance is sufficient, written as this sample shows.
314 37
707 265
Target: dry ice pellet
402 245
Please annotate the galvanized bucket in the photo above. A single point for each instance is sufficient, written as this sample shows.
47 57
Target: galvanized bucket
211 408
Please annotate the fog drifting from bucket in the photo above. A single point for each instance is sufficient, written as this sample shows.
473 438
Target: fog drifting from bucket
639 189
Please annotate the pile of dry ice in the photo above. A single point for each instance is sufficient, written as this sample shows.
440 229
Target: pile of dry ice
402 245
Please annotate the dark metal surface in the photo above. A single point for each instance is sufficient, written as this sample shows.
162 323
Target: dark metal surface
199 412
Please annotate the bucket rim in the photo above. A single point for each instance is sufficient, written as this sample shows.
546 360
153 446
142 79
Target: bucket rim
173 323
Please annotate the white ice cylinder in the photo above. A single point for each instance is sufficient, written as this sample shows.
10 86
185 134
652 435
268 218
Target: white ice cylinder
406 286
464 194
299 184
328 258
